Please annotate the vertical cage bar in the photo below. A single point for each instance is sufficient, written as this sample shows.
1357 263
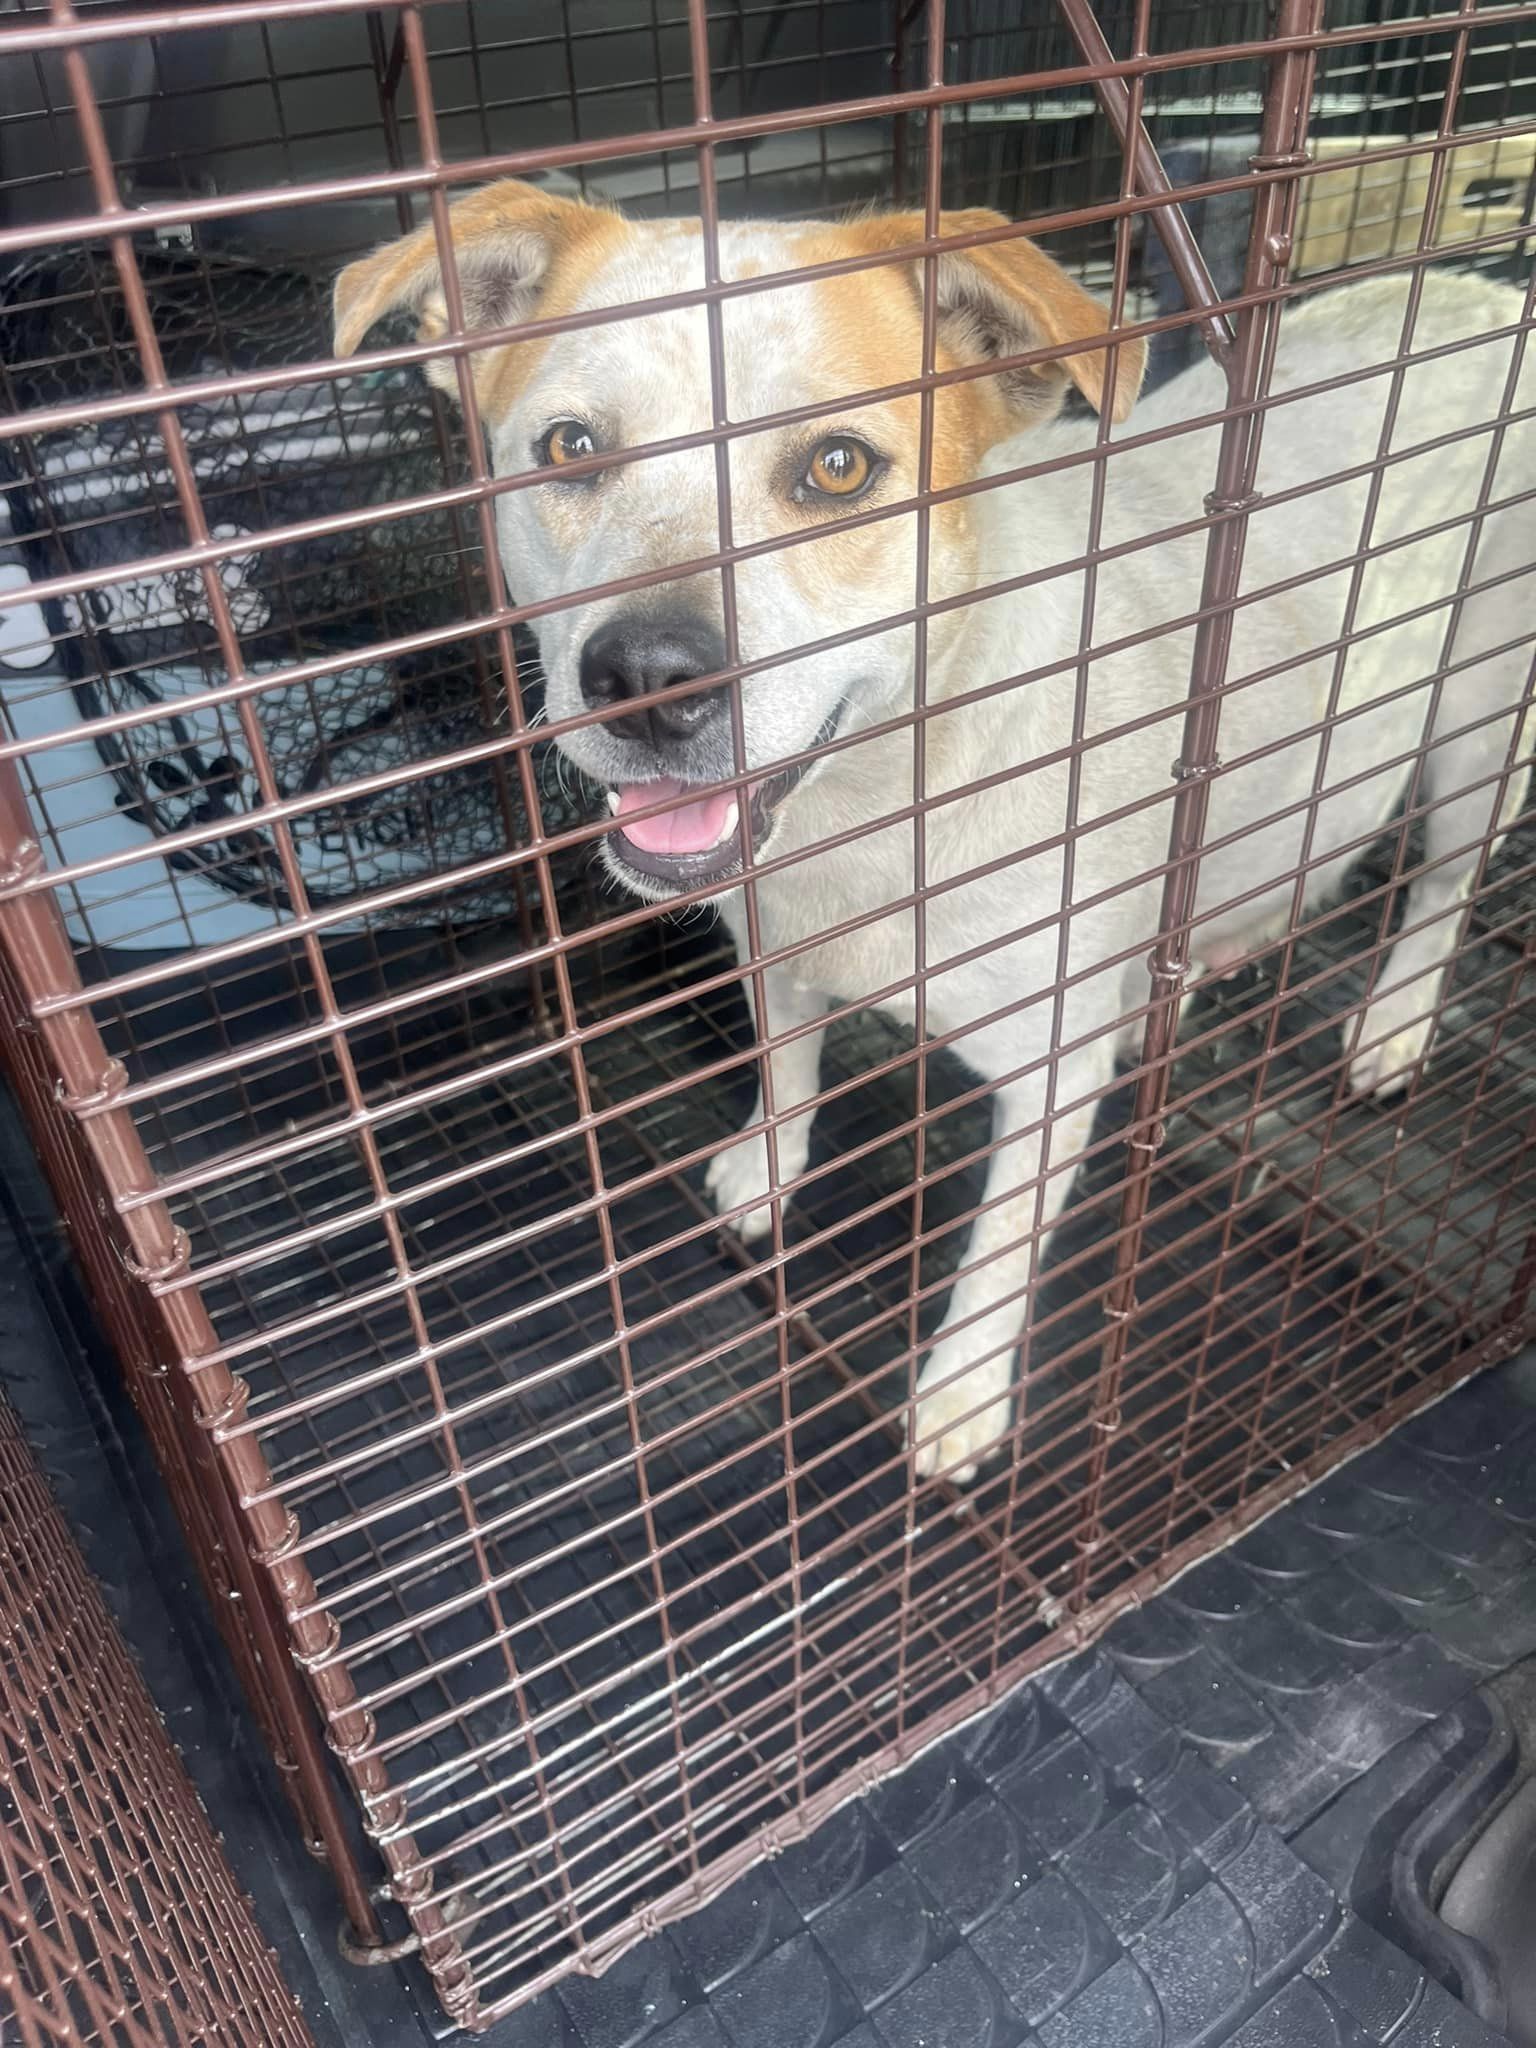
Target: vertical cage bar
388 61
1283 133
1078 1124
420 71
933 194
756 980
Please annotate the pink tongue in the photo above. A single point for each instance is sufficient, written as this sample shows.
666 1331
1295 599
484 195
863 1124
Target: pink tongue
691 828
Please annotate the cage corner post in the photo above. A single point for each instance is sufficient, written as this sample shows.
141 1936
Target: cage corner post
269 1581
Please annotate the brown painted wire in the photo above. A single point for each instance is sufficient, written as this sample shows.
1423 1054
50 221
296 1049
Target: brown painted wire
325 1204
166 1947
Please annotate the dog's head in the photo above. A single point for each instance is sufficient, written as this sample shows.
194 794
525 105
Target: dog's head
804 348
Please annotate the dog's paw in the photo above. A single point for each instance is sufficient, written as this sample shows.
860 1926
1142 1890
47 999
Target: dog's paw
962 1416
1394 1035
739 1175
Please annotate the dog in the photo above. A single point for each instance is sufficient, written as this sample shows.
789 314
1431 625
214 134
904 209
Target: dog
824 626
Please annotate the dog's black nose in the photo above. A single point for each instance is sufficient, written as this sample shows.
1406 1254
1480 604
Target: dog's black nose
630 659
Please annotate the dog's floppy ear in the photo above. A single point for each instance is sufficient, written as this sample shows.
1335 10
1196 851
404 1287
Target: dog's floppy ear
1006 297
505 239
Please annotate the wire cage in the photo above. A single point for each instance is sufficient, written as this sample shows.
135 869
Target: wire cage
608 1538
120 1920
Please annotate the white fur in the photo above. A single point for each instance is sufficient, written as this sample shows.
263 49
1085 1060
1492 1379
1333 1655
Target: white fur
649 379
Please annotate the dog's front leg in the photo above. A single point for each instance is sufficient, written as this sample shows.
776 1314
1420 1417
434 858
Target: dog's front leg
965 1389
740 1173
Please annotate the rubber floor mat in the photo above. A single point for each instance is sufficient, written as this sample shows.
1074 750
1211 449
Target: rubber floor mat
1108 1859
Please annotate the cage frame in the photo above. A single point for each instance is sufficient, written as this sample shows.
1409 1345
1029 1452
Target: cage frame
81 1099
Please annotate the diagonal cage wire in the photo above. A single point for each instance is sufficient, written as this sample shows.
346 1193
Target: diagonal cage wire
604 1540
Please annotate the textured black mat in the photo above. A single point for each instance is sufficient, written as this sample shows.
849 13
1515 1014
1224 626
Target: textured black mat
1106 1860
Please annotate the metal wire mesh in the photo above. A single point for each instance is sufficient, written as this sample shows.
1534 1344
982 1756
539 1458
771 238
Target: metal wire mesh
614 1546
120 1920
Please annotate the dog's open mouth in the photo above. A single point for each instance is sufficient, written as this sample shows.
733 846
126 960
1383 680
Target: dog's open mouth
698 839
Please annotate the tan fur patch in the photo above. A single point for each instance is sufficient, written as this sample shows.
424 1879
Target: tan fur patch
876 319
1022 287
588 242
504 232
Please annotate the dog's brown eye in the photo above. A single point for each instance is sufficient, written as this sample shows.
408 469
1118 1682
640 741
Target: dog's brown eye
567 441
840 468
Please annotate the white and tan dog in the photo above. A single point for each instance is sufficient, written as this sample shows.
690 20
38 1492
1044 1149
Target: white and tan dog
1001 761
